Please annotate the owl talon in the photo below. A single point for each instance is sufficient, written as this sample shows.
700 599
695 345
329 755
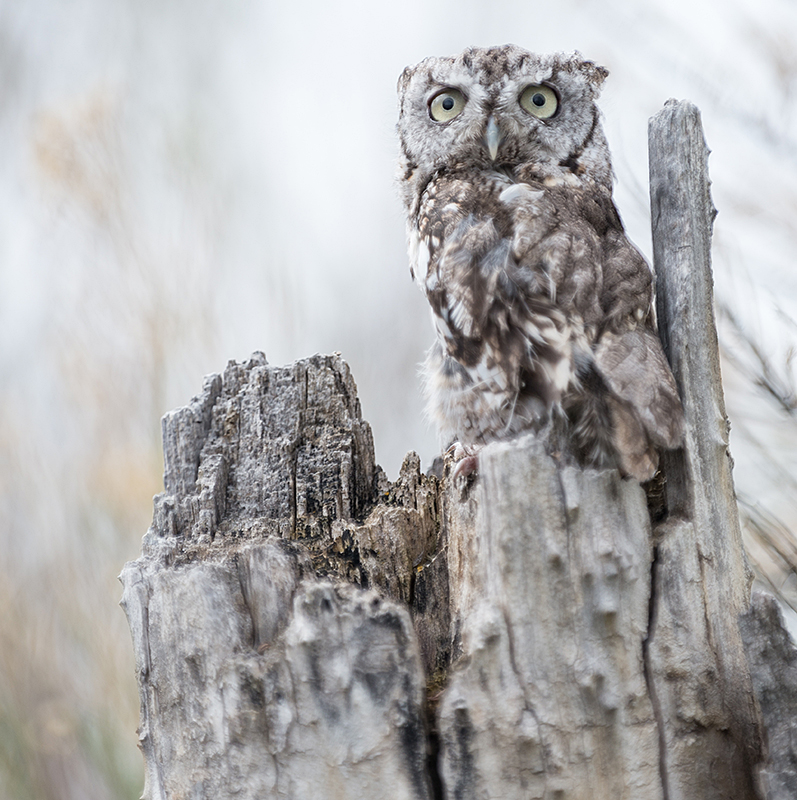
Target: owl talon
464 458
465 467
456 452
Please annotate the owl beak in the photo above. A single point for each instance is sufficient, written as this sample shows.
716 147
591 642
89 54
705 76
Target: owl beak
492 137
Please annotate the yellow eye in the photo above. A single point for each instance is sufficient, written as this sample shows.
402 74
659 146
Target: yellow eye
447 105
540 101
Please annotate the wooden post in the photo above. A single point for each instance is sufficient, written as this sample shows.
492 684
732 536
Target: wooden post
303 628
699 675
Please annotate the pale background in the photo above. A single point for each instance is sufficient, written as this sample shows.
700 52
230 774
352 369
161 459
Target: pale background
182 183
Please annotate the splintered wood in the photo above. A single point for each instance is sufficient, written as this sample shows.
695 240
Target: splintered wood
304 628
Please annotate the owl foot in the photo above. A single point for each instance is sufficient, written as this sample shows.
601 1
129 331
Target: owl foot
466 467
465 459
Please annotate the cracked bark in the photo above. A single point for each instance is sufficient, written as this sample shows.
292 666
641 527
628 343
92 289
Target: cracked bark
706 705
305 628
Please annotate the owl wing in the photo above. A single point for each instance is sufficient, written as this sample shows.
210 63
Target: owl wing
645 410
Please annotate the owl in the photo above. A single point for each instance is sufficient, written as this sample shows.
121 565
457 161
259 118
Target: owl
542 307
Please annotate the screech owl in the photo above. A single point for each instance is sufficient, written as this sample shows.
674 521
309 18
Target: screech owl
542 307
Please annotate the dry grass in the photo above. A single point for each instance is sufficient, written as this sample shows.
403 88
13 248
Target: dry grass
79 463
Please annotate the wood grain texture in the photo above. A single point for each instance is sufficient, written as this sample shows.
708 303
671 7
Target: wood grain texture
700 677
550 698
275 650
773 664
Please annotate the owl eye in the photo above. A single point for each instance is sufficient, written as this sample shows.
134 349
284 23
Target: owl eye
446 105
540 101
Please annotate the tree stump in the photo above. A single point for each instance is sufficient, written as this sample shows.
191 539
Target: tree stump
304 628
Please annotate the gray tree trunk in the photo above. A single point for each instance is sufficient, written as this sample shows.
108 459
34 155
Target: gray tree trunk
303 628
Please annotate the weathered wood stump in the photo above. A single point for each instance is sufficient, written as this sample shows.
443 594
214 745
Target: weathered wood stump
304 628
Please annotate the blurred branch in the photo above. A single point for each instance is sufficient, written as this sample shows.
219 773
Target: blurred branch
761 372
778 541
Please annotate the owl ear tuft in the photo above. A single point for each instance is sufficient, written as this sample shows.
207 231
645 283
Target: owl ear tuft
594 73
404 80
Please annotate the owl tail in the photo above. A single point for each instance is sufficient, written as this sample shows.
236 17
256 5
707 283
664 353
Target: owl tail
645 412
607 432
637 456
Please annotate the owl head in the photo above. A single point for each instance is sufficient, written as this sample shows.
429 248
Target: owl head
502 108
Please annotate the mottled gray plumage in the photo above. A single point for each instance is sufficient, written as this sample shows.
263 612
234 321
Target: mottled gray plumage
542 306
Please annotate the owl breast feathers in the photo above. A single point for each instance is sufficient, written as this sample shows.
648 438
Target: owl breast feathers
541 305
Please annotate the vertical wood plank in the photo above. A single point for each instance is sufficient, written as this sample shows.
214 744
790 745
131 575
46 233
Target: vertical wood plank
702 581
